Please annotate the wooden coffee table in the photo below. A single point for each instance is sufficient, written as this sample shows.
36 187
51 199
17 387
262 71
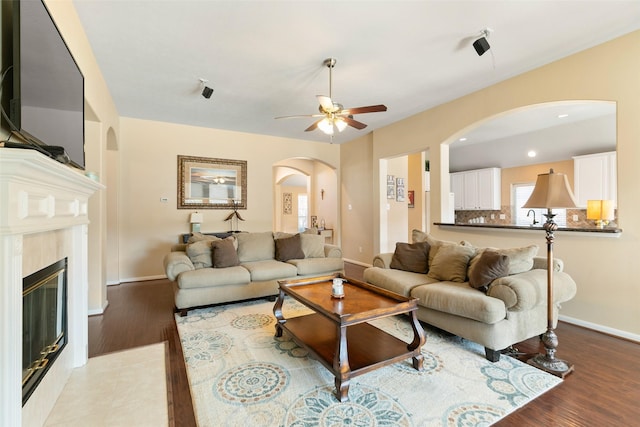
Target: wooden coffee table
337 333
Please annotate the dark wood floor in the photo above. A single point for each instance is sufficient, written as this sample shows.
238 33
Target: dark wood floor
604 390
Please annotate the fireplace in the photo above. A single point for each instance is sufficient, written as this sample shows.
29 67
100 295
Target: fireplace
43 219
44 323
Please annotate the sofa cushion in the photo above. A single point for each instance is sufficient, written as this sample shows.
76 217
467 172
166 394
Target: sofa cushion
460 299
451 263
269 270
199 252
311 266
255 246
289 248
312 245
196 237
412 257
224 253
398 281
211 277
520 259
489 266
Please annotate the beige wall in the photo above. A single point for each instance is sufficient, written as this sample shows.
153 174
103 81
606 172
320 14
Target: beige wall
529 174
608 294
101 117
415 215
148 166
289 222
356 202
397 219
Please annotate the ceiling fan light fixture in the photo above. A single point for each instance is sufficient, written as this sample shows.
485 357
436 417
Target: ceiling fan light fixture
326 126
340 124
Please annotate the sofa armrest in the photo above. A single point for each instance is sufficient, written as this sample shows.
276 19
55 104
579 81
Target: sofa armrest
383 260
526 290
176 263
541 263
332 251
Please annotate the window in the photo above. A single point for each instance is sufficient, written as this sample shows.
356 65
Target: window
302 212
521 193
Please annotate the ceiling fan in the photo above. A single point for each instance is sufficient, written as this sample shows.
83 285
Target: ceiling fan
332 114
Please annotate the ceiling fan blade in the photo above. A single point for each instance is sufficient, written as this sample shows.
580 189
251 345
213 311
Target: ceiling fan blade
300 116
313 126
326 103
354 123
362 110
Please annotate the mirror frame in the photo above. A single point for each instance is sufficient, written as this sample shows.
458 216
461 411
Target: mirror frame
197 170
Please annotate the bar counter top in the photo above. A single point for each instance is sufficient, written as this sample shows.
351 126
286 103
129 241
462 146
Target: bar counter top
595 230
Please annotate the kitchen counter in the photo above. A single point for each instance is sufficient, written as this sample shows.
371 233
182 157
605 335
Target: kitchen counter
594 230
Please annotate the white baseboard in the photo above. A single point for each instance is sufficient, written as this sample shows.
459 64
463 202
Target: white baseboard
600 328
143 279
351 261
99 311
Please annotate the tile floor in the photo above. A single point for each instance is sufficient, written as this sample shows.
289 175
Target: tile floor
126 388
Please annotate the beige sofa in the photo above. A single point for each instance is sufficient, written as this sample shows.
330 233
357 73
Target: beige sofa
508 306
209 270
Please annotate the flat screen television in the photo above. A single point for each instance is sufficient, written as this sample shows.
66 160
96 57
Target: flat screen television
47 106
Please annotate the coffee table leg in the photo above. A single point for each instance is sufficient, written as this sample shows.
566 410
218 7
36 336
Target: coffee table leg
277 312
341 366
418 341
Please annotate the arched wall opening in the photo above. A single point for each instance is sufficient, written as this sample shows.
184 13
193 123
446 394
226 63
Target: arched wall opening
295 178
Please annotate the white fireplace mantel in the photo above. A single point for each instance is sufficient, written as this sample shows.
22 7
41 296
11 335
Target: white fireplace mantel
41 200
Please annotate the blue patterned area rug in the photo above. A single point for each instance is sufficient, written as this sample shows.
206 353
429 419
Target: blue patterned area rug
242 375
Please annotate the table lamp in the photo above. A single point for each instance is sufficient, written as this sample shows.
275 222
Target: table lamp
195 220
601 211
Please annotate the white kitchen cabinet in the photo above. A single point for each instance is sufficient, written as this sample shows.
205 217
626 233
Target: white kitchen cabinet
594 178
476 189
457 188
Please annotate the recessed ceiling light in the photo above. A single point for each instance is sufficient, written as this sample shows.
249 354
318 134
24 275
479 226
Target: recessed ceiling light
562 116
531 153
462 139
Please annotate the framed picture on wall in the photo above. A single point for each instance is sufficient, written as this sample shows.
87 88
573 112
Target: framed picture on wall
287 203
391 187
207 183
400 190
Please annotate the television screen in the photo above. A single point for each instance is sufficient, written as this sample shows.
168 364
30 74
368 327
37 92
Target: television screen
48 91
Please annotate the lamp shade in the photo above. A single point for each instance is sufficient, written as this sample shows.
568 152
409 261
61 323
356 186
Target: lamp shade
551 191
326 126
196 218
600 210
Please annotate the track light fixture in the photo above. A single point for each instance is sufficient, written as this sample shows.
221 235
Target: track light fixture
206 90
481 45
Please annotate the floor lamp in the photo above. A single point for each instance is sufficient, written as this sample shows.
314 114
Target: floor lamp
551 192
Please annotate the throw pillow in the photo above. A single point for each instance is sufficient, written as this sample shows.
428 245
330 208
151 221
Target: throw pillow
520 259
289 248
451 262
224 253
412 257
434 244
312 245
199 253
489 266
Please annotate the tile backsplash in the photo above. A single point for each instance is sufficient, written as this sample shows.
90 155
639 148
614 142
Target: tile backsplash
494 217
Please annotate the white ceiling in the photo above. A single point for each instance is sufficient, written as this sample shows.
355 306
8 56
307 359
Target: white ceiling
264 58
